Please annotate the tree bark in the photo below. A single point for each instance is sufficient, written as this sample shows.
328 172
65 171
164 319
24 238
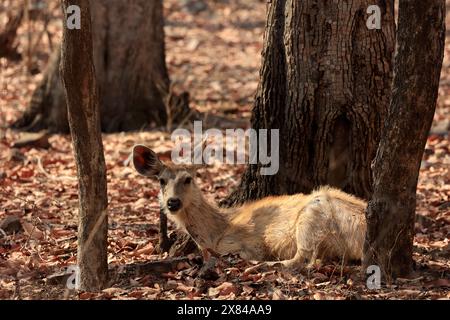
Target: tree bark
78 75
129 57
8 35
325 83
391 211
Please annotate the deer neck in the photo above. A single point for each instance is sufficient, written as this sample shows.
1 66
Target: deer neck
204 221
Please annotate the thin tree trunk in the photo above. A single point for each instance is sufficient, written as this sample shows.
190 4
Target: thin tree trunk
325 83
78 74
391 211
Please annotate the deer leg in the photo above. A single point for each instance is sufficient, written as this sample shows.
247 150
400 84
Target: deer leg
309 238
297 262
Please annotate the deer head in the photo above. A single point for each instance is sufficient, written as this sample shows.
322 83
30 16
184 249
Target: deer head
178 187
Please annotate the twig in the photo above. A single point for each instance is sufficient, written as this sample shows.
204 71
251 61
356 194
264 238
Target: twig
158 267
42 170
95 228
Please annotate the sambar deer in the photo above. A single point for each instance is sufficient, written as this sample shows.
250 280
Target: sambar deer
288 230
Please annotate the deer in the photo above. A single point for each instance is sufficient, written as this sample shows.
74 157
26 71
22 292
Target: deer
291 231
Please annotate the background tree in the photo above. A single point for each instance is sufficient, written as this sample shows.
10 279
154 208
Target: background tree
129 57
78 75
391 211
8 35
325 83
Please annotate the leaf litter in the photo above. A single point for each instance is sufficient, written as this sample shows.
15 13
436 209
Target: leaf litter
213 51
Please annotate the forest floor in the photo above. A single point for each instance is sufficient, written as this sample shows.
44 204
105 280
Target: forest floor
215 55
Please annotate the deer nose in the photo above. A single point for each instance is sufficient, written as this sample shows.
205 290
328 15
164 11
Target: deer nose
174 204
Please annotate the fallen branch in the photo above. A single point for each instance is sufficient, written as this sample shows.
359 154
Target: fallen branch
48 175
157 267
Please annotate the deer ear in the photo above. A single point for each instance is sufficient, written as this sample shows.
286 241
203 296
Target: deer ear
146 161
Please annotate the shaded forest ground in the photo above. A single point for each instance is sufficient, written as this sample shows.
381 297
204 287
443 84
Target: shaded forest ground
213 51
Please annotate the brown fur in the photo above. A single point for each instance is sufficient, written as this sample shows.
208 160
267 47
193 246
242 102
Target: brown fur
327 223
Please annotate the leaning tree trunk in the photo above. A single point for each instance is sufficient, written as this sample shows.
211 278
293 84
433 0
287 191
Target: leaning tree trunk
391 211
325 83
129 56
84 118
8 34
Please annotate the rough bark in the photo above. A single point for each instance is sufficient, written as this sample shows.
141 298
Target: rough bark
129 57
8 47
391 211
130 62
325 83
78 75
47 108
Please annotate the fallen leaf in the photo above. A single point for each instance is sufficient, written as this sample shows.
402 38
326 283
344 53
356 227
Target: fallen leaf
319 296
226 288
32 231
278 295
146 250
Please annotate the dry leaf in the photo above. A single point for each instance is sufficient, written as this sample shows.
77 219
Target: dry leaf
32 231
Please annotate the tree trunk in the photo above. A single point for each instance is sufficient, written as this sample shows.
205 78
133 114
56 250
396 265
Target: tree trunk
84 119
325 83
8 35
391 211
129 56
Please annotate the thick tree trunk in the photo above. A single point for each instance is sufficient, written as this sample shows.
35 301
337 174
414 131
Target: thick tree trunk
325 83
391 211
47 108
129 57
84 119
130 62
8 34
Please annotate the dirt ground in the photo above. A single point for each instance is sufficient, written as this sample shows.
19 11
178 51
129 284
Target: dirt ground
214 54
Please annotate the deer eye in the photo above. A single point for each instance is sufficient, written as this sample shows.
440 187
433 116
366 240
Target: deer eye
188 180
162 182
